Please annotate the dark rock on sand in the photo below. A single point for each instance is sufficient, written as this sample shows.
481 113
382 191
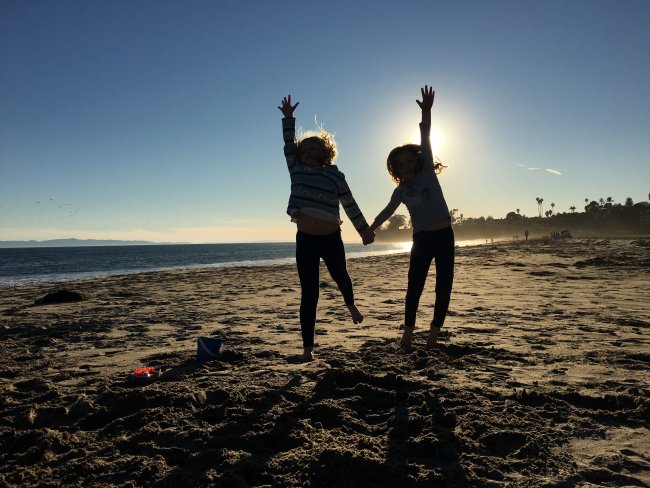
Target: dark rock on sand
59 296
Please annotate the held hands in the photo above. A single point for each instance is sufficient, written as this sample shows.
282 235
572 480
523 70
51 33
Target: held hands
287 109
427 98
368 237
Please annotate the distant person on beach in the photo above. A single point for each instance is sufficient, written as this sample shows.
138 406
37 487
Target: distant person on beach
317 188
526 234
415 171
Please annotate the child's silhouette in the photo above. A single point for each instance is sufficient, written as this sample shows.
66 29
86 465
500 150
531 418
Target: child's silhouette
317 188
415 170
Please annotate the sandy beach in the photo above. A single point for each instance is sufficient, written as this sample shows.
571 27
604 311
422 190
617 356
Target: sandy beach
540 378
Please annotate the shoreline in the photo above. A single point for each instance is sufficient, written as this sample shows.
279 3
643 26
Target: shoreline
71 279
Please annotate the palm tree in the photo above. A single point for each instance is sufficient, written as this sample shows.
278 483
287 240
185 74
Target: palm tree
572 208
601 201
552 207
539 205
517 211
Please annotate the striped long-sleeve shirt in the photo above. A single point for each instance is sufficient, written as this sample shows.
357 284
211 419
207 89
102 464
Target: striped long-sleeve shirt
318 188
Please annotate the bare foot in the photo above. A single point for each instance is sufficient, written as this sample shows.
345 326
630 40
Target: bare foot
407 337
357 318
308 354
434 332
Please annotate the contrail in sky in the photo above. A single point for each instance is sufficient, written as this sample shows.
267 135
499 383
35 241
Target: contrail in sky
549 170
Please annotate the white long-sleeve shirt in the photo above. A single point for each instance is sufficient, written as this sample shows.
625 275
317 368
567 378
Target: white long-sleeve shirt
422 195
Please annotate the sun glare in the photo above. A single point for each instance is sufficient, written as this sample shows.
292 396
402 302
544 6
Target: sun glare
435 138
405 246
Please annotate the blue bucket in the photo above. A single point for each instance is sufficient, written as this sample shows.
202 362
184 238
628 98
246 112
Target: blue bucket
208 348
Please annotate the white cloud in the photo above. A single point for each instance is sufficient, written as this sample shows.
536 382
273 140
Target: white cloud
532 168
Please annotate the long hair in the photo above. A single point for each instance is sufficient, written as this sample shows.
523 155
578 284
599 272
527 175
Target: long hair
416 150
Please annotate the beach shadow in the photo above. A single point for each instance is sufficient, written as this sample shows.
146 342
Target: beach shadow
352 420
246 435
296 359
422 447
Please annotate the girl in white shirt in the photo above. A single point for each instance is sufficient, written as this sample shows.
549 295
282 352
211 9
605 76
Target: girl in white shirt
415 171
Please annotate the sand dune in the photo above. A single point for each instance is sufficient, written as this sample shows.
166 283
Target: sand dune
540 378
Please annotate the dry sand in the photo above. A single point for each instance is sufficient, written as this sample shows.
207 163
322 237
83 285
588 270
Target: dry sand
540 378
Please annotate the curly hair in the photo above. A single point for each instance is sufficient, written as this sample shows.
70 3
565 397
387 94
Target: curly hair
416 150
326 139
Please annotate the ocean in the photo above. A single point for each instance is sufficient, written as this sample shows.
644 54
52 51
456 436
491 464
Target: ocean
61 264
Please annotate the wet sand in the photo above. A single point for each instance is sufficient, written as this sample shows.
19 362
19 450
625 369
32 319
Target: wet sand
540 378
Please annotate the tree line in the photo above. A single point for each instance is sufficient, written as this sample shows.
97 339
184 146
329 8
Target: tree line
602 217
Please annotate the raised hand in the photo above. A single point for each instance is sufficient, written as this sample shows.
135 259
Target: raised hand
286 108
427 97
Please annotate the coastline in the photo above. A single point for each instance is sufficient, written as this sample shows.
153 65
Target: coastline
7 280
59 265
540 376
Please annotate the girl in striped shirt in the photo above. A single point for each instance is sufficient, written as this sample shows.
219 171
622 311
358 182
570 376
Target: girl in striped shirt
317 188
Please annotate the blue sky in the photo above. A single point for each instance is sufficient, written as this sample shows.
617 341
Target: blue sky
157 120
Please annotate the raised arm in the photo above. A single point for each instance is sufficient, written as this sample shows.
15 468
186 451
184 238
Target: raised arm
289 131
425 126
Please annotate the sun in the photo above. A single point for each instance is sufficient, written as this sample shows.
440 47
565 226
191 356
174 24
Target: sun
435 137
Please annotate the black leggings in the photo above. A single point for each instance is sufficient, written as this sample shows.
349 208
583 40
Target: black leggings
427 246
309 250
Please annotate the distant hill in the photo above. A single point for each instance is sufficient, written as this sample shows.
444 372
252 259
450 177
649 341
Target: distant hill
73 243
